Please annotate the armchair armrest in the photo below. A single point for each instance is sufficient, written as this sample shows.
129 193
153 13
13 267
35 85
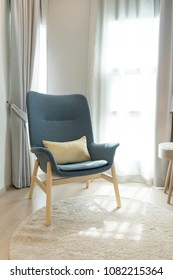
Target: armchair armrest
44 155
104 151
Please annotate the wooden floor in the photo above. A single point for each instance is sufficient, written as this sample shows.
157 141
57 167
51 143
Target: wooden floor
15 205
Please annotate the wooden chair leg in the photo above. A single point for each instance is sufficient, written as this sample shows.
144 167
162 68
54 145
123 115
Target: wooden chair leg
48 194
87 184
168 176
36 165
170 187
115 183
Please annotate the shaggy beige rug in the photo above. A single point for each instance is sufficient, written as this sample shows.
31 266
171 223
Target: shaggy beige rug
91 228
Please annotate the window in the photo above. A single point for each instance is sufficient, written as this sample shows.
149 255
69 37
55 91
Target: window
39 81
131 67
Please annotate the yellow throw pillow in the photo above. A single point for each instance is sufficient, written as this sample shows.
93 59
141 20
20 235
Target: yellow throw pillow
69 152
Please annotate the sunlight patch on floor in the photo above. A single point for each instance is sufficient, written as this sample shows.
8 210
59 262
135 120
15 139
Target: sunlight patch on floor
115 230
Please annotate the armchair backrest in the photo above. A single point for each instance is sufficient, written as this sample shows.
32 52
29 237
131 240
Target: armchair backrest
58 118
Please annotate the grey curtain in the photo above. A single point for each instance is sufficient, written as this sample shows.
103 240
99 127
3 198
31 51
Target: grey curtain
25 19
164 87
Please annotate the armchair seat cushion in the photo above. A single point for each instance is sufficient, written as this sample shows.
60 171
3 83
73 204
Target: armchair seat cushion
82 165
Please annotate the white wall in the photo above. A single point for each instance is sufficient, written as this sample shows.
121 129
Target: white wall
68 38
5 172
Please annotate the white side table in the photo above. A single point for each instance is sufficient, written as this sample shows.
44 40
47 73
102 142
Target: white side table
165 151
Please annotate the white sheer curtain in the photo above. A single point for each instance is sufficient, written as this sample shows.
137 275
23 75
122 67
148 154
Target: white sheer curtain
39 81
25 23
164 87
122 72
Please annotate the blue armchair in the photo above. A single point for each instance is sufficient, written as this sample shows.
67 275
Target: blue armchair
59 120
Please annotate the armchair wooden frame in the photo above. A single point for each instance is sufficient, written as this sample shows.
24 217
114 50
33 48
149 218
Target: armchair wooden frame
50 181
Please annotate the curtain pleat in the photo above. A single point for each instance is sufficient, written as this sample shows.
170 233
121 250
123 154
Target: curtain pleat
25 19
125 9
